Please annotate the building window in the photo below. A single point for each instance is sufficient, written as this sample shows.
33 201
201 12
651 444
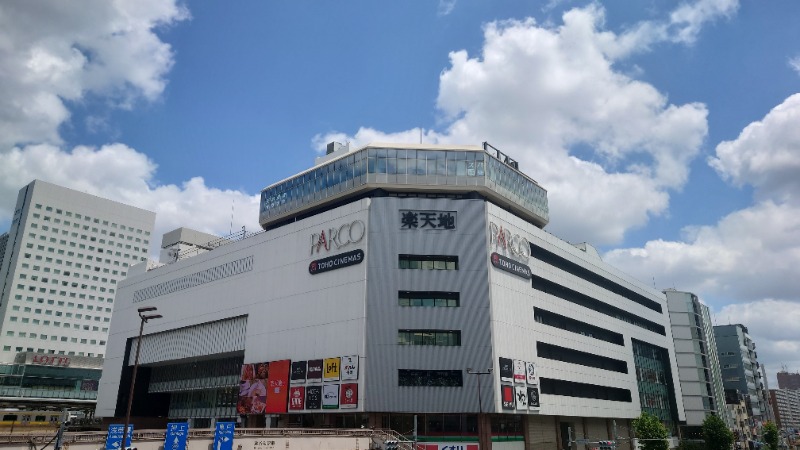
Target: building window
428 298
584 390
428 262
429 337
557 353
444 378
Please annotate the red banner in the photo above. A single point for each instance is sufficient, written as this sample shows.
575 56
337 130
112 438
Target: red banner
297 398
348 398
277 386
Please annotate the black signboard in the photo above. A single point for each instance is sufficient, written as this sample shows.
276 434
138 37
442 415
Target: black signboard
533 397
314 370
314 397
511 266
507 394
336 262
298 373
506 369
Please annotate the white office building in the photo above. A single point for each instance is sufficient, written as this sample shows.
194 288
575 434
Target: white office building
698 364
63 257
396 283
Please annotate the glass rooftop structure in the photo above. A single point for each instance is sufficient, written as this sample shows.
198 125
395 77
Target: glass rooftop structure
409 169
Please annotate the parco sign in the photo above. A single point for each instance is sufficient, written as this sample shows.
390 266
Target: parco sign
336 238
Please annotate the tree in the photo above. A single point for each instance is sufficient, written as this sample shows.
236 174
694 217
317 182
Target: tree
716 434
652 434
771 435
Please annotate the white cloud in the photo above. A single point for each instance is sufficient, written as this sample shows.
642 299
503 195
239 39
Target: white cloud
794 63
53 51
766 154
120 173
745 266
446 7
551 98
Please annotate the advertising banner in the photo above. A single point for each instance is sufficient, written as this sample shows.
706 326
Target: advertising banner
522 397
533 397
253 389
530 372
313 397
330 396
350 367
277 386
506 369
507 395
297 398
298 374
348 397
519 371
331 369
314 372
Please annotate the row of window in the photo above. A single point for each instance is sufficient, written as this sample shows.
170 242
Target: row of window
572 296
568 355
53 233
90 219
70 304
576 326
428 262
429 298
44 337
43 290
568 266
61 251
429 337
7 348
48 259
38 322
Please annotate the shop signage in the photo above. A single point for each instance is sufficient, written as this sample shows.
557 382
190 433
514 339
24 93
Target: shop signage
336 262
313 397
314 370
50 360
348 397
522 397
511 266
330 396
427 220
336 238
298 373
507 395
502 240
533 397
297 397
506 369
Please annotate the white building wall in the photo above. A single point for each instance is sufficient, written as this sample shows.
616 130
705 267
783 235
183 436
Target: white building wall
65 253
290 315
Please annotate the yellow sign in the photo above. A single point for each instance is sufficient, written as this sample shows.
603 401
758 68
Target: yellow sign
330 371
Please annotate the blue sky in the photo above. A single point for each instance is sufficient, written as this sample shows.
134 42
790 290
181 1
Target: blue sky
666 133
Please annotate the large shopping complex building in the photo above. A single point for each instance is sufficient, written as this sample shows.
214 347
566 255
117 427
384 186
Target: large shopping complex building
396 285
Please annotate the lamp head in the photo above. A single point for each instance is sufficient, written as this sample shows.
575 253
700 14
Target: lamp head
146 309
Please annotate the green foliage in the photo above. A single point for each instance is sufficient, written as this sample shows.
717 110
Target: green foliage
647 426
716 434
691 445
771 435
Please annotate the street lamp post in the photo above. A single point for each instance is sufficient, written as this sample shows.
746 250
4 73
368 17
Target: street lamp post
144 318
481 430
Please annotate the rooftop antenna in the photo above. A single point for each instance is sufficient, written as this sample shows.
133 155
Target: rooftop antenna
420 135
654 283
233 203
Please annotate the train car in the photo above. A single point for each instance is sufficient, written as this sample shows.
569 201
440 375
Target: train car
32 420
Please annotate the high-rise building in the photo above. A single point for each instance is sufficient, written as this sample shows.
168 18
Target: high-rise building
740 368
64 255
788 380
786 408
698 364
394 285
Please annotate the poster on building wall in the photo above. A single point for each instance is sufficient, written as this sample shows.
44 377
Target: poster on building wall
330 396
506 369
277 386
348 395
253 389
330 371
298 374
522 397
314 372
297 398
350 367
313 397
507 395
530 372
519 371
533 397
